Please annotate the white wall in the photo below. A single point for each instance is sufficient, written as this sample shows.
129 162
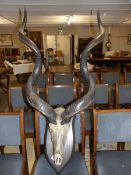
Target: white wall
15 38
119 38
119 35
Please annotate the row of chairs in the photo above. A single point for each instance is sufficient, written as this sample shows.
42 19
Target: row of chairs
110 78
16 163
102 99
112 125
14 124
57 95
100 77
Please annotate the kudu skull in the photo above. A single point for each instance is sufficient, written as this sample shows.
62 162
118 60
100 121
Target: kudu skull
59 135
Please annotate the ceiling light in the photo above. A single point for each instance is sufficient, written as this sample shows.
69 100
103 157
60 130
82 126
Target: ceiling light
69 20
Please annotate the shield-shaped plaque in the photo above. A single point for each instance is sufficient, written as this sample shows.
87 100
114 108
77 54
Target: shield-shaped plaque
67 149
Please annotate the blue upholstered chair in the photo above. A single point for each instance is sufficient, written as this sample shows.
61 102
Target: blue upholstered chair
102 101
123 97
127 77
64 79
102 96
12 134
58 95
76 165
94 75
111 78
42 81
123 100
112 126
17 101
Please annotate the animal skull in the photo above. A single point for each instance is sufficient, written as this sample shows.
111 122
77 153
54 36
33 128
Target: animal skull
58 136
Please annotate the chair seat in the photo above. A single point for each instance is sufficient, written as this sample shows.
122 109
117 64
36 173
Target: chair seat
29 122
76 166
11 164
113 162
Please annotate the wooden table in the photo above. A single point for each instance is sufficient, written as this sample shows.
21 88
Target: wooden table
61 68
117 60
22 68
110 62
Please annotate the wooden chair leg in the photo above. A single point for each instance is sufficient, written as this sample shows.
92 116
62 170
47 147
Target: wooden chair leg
20 148
2 149
91 153
121 146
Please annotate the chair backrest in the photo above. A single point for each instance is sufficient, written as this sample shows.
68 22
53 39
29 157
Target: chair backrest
43 80
112 126
102 94
12 129
79 130
17 97
127 77
123 96
60 94
110 77
94 76
64 79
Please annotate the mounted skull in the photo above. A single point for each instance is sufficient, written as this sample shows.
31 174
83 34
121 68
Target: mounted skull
59 136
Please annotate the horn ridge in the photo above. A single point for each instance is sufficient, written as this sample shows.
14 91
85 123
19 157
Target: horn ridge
33 99
88 98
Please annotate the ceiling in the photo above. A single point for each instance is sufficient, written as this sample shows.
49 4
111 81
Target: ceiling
57 12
